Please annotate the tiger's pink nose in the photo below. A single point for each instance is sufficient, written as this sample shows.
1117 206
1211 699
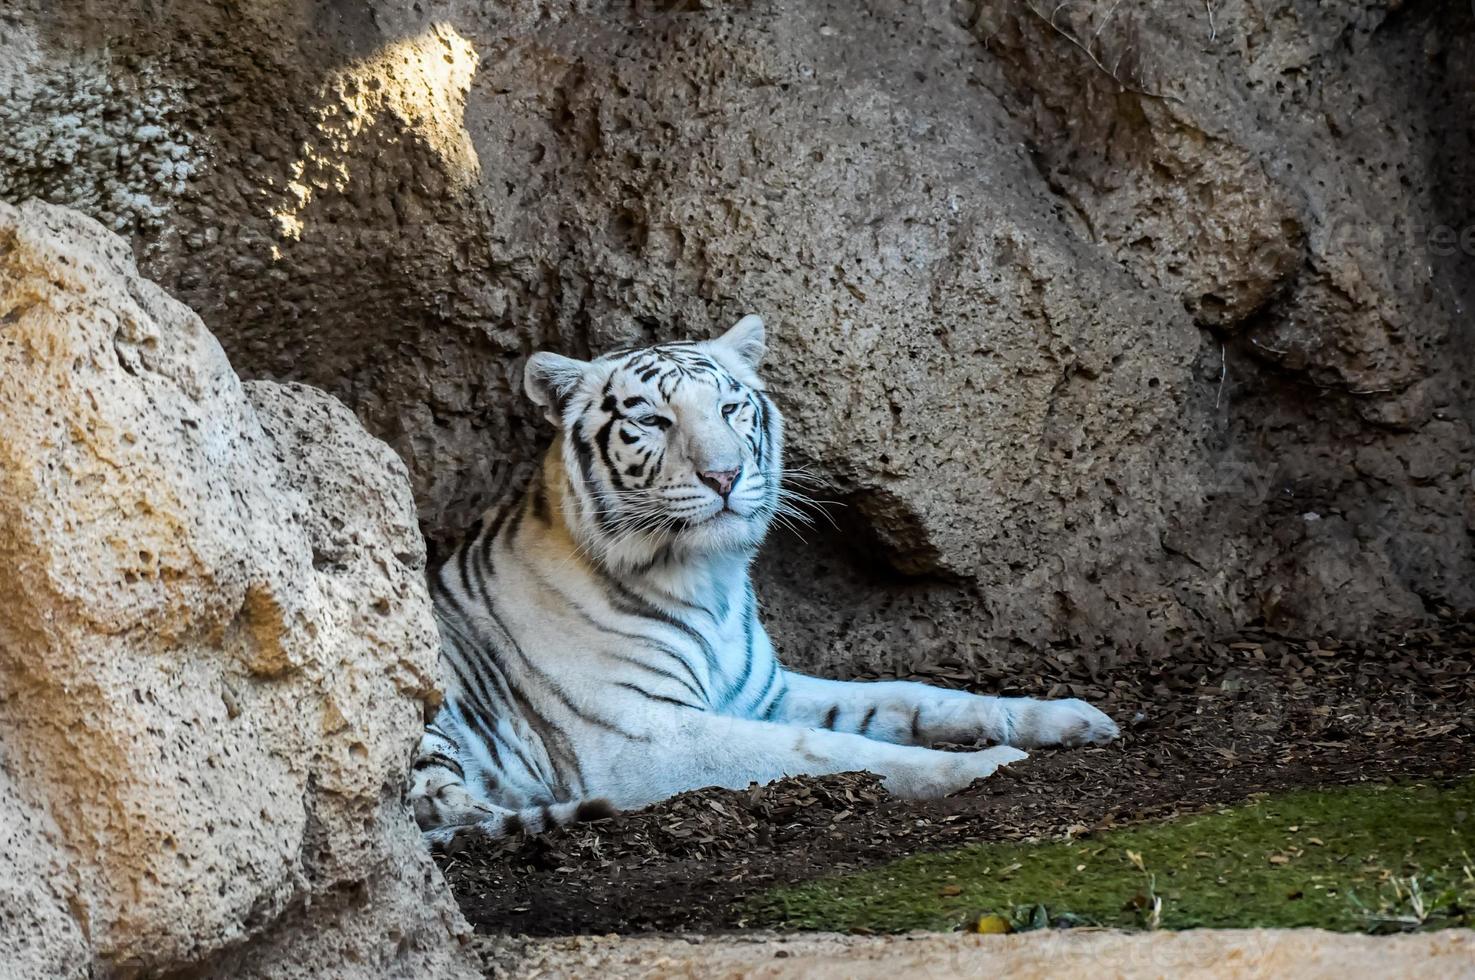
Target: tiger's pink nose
720 480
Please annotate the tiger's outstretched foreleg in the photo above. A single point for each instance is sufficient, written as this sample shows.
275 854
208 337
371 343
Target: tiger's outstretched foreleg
910 713
699 749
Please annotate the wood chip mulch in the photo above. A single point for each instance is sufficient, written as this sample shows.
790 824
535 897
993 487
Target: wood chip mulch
1224 719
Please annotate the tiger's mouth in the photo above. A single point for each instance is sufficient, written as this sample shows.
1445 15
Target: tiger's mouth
691 524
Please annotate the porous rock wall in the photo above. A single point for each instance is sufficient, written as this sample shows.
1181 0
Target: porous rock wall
1110 325
215 648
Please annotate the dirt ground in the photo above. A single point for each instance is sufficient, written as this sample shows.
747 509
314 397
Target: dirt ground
1253 713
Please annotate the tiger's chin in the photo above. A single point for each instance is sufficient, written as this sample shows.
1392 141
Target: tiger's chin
723 534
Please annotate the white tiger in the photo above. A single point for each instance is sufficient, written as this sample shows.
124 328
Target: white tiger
600 636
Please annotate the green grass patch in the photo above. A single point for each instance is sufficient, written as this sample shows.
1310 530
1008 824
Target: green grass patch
1361 858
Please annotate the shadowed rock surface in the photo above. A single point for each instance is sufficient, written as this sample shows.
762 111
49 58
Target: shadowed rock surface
1110 325
215 646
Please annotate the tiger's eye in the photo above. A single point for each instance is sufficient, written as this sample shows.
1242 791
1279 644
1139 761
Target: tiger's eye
728 410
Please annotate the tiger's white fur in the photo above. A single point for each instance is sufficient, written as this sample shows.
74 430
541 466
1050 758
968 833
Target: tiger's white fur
600 632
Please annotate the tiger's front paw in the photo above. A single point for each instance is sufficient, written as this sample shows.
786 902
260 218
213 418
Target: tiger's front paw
951 772
1069 722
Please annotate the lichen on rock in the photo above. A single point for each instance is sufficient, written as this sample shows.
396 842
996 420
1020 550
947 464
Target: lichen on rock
113 144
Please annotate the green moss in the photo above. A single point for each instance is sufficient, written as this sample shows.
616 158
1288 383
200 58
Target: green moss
1347 858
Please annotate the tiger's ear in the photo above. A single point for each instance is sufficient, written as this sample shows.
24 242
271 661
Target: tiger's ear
550 379
747 340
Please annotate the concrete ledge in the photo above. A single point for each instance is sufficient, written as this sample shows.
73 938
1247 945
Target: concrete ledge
1099 954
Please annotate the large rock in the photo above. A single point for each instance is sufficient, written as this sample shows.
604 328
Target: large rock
1110 324
215 648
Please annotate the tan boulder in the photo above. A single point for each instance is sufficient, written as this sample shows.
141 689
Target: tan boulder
215 647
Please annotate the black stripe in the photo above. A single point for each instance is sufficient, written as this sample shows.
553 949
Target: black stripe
695 686
768 686
483 669
473 686
478 719
763 413
601 441
438 760
632 604
552 686
550 735
483 717
661 671
494 527
773 706
749 659
489 784
540 500
830 715
488 607
584 453
866 724
658 697
463 558
458 644
489 742
555 741
514 521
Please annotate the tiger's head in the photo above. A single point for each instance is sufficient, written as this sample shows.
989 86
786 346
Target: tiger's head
671 452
